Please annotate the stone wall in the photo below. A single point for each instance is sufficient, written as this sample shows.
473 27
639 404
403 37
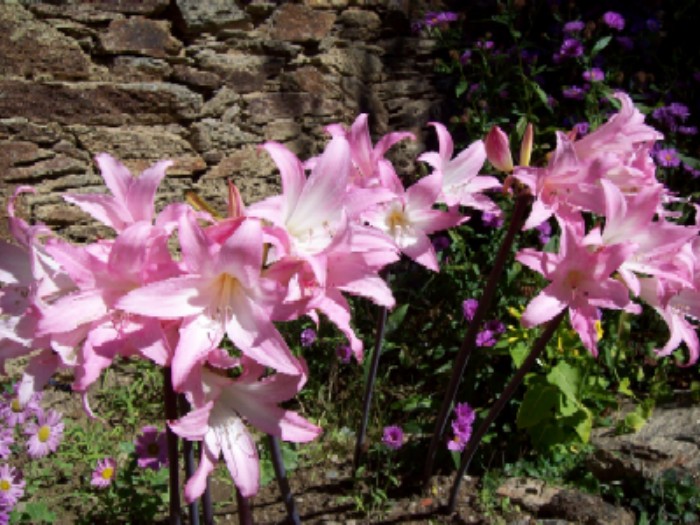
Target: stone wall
203 82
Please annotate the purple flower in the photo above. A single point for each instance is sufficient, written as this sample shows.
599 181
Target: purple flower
581 128
151 448
545 232
466 57
491 220
688 130
433 18
469 308
485 338
344 353
626 42
462 427
495 326
574 92
15 414
485 44
308 337
574 27
614 20
11 486
6 439
44 435
393 437
441 242
594 75
668 157
679 110
571 48
464 412
104 473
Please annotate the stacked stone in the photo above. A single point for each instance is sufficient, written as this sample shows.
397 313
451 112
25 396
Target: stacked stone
202 82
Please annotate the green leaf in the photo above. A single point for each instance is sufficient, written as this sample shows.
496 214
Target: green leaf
540 93
600 45
584 427
461 88
624 387
566 378
518 352
538 405
395 318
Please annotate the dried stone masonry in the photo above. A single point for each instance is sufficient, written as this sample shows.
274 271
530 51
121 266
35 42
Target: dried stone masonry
203 82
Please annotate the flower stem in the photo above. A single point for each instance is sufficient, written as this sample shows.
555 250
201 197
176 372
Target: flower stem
207 505
282 481
468 343
369 386
173 460
188 453
245 514
507 394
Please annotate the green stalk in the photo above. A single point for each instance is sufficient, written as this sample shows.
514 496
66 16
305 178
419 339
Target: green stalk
468 454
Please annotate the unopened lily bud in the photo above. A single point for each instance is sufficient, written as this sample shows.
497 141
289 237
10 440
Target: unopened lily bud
498 150
236 208
526 145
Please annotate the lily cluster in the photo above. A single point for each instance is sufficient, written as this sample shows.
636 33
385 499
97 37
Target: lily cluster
342 217
638 252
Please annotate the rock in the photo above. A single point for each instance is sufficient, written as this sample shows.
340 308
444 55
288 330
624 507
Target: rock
359 24
530 493
585 509
98 103
32 49
210 15
299 23
240 71
140 69
141 36
71 7
669 440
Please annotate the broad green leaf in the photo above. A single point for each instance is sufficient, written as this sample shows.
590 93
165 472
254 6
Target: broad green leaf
584 427
567 406
566 378
538 405
624 387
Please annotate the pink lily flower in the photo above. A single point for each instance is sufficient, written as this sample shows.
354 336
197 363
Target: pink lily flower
219 422
371 168
657 242
580 280
409 218
132 198
461 183
222 292
619 134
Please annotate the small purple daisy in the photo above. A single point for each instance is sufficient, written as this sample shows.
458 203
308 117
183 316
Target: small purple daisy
45 434
469 308
104 473
11 486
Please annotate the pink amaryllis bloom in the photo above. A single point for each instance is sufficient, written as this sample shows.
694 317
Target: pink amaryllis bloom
132 198
461 182
219 422
222 292
409 218
151 448
104 474
580 281
498 150
371 168
45 434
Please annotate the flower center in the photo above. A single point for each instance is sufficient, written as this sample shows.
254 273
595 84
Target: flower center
44 433
16 407
574 278
107 473
5 485
397 220
152 449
